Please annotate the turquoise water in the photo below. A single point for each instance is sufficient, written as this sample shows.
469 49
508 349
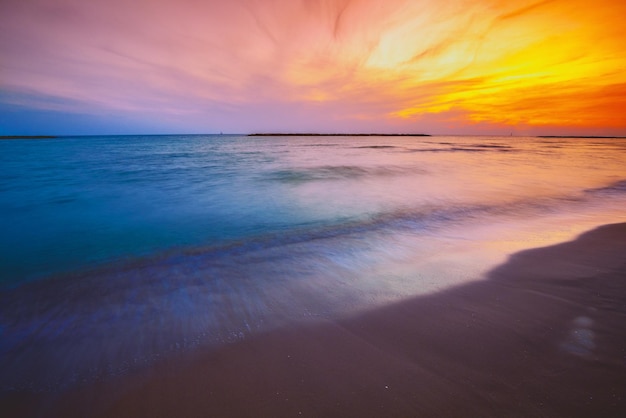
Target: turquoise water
70 202
119 250
75 202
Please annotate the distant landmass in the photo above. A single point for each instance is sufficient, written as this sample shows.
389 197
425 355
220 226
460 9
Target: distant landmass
313 134
578 136
26 136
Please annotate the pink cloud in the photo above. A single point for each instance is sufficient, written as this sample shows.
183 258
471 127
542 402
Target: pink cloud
342 64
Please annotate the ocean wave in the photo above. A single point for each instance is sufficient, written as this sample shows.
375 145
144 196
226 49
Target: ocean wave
87 326
492 146
376 147
481 148
617 187
340 172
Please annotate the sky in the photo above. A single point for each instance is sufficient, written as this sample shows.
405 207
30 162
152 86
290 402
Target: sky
501 67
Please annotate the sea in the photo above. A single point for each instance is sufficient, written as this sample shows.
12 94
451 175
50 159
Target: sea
118 251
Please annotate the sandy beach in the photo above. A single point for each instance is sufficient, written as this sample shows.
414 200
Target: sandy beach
543 335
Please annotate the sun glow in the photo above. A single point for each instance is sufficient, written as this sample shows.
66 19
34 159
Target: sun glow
542 68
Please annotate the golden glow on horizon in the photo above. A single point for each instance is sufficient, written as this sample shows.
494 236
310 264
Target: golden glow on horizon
405 64
506 71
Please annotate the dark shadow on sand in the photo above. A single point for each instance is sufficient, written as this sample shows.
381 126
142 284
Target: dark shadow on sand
544 335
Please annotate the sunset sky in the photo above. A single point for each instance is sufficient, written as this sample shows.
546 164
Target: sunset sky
240 66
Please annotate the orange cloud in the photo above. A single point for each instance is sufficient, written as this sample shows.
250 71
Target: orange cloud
547 63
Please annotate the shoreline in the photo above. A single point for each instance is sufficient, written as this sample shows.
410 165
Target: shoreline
542 335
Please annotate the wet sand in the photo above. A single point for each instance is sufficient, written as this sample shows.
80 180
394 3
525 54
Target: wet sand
543 335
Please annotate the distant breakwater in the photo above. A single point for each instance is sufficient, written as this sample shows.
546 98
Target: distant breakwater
319 134
27 137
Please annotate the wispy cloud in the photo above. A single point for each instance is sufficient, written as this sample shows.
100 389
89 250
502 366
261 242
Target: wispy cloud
335 62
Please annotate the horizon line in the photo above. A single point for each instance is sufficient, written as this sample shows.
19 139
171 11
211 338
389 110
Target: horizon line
17 137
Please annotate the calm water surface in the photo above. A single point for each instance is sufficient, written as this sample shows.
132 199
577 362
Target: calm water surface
117 250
